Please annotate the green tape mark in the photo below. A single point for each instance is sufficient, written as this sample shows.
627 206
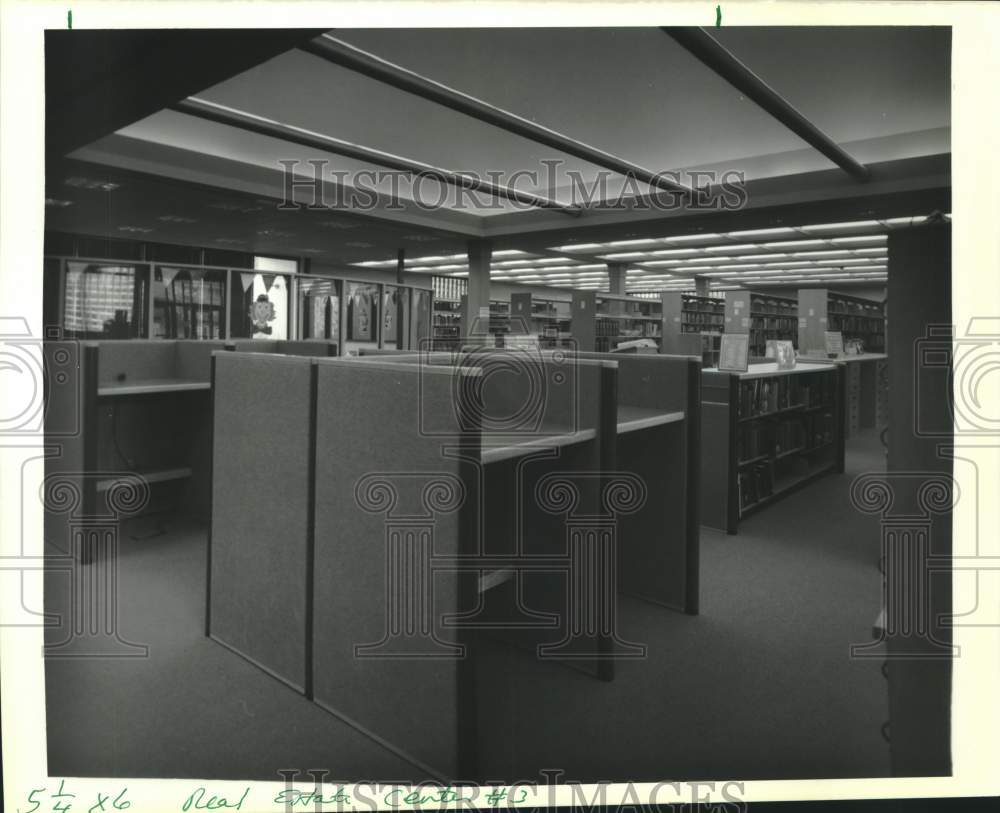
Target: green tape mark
718 16
69 19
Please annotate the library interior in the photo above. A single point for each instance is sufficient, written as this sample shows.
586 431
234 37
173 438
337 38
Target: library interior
459 404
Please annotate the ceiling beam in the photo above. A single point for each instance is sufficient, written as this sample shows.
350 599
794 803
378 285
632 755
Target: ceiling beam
273 129
347 56
704 47
98 81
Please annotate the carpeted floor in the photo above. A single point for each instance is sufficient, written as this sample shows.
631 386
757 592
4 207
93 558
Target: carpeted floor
759 685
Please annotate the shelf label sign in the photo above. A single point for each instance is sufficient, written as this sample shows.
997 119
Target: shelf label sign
834 343
734 352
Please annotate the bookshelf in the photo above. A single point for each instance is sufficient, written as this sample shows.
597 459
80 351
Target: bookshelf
856 318
765 434
763 316
549 319
446 324
692 325
600 322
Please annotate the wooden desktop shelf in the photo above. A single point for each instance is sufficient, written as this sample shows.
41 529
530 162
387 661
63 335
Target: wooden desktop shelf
510 451
634 419
160 476
151 386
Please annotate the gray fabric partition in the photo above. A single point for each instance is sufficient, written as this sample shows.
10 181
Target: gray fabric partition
261 490
386 497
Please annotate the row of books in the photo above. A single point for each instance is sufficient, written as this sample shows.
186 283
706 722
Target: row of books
703 319
754 484
784 323
774 305
836 305
696 304
449 289
761 396
816 389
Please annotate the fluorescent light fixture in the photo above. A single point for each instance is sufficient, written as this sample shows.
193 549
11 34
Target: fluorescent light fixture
843 252
684 238
860 238
730 247
856 224
509 252
668 252
794 243
642 242
628 255
762 232
579 247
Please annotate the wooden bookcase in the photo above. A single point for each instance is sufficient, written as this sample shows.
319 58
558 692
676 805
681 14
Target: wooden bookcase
765 434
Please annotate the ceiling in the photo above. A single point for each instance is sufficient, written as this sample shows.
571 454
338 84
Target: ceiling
881 93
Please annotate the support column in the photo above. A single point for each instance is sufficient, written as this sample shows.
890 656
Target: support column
617 273
402 304
476 304
701 286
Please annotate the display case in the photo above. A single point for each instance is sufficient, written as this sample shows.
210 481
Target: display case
447 314
105 300
319 300
259 305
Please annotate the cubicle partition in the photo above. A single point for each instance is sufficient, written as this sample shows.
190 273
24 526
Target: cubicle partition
367 579
658 437
259 551
141 417
288 347
652 441
386 658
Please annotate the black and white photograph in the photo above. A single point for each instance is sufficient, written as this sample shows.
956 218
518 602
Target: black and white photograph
431 414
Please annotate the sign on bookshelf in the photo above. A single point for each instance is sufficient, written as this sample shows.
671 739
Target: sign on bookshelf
734 353
834 343
784 352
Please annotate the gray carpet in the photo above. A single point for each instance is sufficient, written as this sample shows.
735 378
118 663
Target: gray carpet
759 686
